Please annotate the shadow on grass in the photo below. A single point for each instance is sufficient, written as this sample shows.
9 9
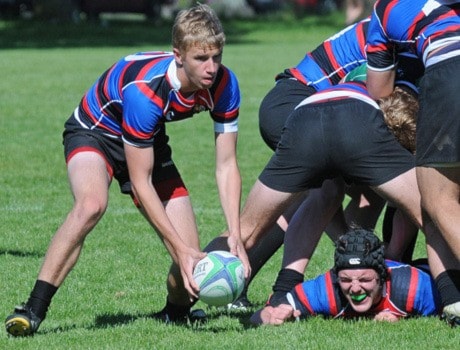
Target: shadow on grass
120 33
118 319
21 253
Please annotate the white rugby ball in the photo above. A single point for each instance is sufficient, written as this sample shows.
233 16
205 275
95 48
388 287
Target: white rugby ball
220 276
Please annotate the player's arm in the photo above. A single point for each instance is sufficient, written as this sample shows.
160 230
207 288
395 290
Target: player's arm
228 180
140 164
380 83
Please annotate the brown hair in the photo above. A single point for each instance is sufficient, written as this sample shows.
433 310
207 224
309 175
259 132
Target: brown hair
400 113
198 25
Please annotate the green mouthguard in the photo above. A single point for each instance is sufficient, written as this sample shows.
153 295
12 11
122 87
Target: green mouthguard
360 297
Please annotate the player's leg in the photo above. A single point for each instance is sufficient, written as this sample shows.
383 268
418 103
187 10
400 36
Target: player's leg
178 305
440 198
274 109
440 191
180 212
395 221
262 251
89 182
303 235
444 266
364 208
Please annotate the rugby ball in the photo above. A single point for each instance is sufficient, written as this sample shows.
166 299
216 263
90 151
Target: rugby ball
220 276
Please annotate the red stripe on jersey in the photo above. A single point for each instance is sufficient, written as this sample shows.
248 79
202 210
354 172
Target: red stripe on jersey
227 115
93 118
299 76
331 294
411 293
303 298
150 94
387 13
361 36
222 85
143 72
105 89
412 28
330 55
441 33
378 48
136 133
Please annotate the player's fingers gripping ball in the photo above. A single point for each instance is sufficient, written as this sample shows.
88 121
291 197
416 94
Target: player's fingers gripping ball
220 276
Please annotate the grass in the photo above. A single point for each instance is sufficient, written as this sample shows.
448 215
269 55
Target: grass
120 277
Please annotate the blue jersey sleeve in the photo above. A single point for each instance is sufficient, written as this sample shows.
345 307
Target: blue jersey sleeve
142 111
227 99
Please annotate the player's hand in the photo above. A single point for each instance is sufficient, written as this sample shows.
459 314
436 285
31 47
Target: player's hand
237 248
386 316
276 315
187 262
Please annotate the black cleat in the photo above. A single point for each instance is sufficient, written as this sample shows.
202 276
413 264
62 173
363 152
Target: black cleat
22 322
193 317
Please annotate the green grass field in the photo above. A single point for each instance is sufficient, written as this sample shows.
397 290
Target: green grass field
120 278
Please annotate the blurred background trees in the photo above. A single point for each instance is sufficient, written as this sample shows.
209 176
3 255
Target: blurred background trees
80 10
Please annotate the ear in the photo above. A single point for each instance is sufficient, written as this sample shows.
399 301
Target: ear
177 57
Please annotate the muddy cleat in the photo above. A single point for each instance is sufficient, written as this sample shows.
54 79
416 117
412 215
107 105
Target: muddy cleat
22 322
451 314
197 317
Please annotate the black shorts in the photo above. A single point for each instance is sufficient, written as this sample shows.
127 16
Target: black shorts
345 138
277 105
438 124
165 176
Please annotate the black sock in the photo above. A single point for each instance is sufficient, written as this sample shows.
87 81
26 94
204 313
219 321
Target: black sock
176 311
265 249
218 243
448 284
286 280
40 298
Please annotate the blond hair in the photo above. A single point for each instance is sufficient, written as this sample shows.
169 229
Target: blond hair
198 25
400 113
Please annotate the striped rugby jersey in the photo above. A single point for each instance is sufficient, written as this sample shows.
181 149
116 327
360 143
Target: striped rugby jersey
139 93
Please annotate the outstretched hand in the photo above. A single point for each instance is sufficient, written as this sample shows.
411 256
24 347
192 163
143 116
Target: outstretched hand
386 316
275 315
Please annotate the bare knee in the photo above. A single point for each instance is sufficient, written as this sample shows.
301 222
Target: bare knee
89 211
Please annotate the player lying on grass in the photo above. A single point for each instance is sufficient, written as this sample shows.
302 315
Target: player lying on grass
361 284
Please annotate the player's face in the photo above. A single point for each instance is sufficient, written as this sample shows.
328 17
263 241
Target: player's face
197 67
360 287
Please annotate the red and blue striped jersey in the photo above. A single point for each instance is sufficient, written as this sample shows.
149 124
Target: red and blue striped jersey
140 92
419 26
334 58
408 291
